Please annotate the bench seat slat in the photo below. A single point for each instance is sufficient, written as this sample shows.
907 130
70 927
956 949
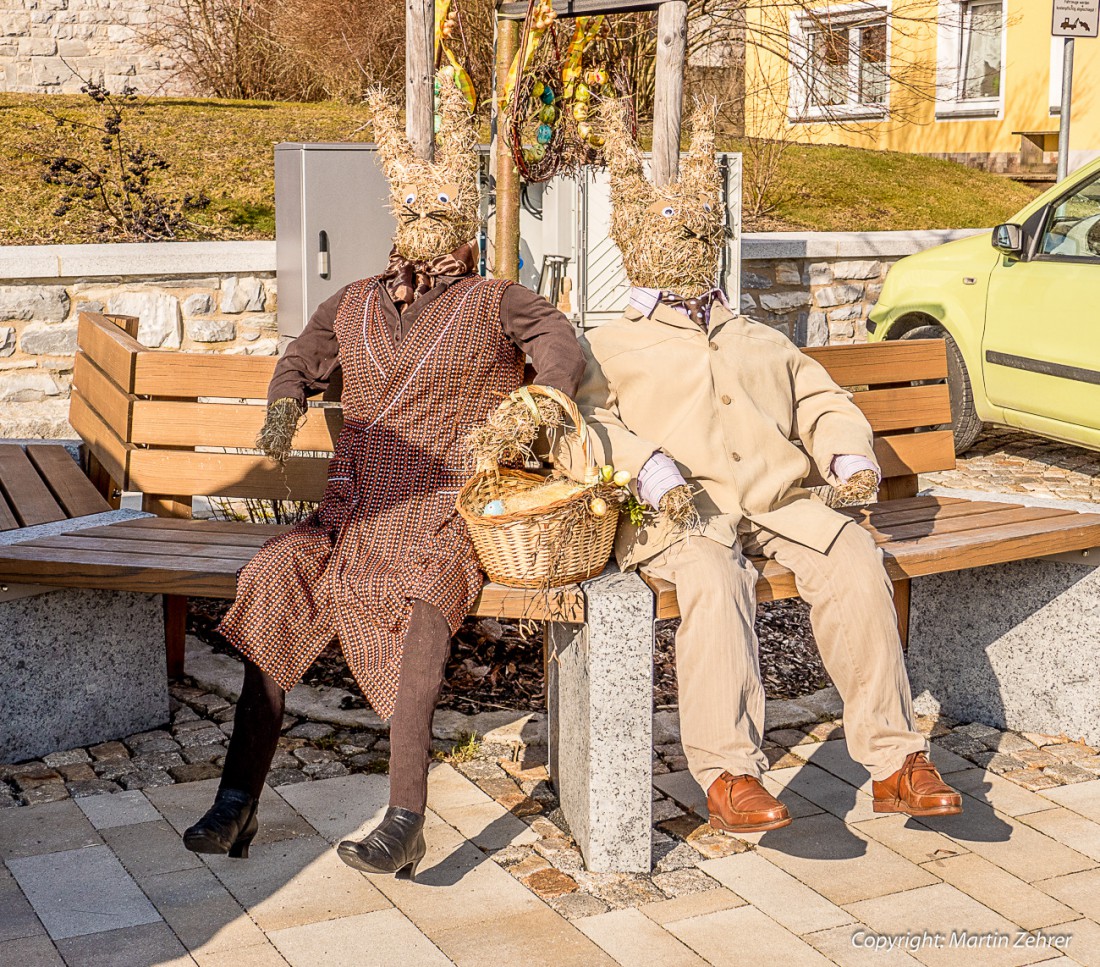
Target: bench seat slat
919 530
212 577
199 526
204 538
78 542
8 520
1021 533
197 577
27 494
73 490
961 508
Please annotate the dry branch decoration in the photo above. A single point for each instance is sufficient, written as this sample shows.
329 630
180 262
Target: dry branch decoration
561 74
436 203
671 237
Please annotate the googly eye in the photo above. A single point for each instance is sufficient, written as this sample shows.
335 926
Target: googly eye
410 198
668 211
443 198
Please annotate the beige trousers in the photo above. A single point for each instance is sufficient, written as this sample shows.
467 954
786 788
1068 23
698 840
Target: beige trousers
717 653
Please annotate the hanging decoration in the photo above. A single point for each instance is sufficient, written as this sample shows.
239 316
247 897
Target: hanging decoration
561 73
448 31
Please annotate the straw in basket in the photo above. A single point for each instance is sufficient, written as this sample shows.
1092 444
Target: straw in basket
562 542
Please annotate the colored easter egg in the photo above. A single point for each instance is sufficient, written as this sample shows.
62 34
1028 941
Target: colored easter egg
544 134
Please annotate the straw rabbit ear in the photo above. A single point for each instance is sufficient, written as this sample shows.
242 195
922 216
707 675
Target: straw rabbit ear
456 142
624 160
389 133
699 167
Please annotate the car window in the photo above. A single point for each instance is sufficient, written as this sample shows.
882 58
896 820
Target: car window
1073 228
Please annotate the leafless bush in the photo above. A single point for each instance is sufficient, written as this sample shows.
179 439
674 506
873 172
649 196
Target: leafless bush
230 48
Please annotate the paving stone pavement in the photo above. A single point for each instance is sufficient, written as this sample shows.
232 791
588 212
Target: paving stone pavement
1011 461
104 879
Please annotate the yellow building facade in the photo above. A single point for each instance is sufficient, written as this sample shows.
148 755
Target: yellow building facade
977 81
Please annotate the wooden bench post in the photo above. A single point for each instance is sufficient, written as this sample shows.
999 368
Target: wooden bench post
175 605
897 488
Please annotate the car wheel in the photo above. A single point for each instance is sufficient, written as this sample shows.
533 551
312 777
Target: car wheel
964 416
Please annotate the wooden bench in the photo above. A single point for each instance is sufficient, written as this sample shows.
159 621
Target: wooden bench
59 697
175 425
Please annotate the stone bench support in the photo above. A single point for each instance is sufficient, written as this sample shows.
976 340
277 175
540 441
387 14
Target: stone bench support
600 696
80 666
1013 646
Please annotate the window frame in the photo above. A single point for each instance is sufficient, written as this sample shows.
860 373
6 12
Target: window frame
851 16
952 49
1048 218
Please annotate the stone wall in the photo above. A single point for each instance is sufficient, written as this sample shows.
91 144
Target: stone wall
220 297
817 288
217 297
46 44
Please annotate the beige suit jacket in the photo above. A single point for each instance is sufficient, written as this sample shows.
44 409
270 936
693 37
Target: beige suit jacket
727 406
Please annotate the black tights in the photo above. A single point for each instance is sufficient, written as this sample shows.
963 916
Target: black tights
259 716
256 726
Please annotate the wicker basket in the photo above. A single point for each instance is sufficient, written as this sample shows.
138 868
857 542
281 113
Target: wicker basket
560 543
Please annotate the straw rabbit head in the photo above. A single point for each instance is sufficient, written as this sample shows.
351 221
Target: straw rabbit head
670 236
436 203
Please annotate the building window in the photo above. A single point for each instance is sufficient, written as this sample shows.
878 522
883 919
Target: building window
980 51
840 65
970 58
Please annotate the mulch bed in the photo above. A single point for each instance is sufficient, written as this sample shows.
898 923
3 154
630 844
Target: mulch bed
495 665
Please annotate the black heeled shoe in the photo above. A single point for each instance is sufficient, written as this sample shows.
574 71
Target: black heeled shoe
229 826
396 845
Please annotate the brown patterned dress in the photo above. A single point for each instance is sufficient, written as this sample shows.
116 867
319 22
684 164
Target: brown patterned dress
386 531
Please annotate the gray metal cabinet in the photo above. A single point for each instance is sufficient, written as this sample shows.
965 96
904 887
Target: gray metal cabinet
332 224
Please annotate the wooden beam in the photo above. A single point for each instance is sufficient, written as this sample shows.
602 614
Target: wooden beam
506 243
578 8
668 92
420 75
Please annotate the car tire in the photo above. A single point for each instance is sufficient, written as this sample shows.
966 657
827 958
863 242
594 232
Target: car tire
964 415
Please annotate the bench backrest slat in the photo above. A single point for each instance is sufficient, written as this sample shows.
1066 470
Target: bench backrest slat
170 423
191 375
139 412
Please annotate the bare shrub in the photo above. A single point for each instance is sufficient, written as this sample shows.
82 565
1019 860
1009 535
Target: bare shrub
229 48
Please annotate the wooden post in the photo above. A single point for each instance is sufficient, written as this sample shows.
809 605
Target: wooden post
506 247
175 605
669 90
420 75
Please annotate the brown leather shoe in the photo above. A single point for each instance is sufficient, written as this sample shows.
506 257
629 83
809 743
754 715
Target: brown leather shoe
739 804
916 789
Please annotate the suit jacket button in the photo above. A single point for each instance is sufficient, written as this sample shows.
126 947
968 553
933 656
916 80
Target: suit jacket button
735 455
714 346
726 400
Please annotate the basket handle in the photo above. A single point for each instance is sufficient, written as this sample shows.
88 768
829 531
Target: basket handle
526 394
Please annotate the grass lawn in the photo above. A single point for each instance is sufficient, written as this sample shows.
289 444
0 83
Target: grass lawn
224 149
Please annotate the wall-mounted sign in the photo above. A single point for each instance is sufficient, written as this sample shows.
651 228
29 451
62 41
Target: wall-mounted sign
1075 18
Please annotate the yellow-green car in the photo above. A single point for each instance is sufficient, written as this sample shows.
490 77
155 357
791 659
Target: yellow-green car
1020 312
